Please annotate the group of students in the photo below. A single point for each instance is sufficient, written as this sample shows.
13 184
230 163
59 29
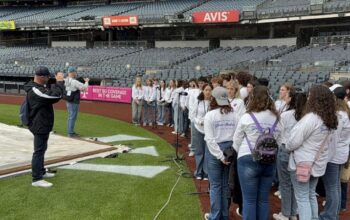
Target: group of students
240 137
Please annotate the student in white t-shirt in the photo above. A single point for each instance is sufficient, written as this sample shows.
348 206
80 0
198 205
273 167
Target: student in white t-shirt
178 117
314 130
283 98
338 155
287 121
137 98
169 96
149 98
255 178
201 109
219 126
161 90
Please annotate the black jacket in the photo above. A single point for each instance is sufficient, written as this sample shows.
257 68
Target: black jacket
41 99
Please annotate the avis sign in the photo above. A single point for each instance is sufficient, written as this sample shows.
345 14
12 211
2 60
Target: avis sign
208 17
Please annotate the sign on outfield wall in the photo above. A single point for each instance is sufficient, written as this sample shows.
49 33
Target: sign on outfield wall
120 21
108 94
7 25
208 17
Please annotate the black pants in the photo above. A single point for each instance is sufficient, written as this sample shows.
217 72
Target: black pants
40 146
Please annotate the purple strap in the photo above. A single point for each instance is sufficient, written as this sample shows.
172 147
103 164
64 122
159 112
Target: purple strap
261 130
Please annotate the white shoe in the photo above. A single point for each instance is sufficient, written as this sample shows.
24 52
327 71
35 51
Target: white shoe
280 216
174 132
237 212
324 203
42 183
293 218
144 124
206 216
277 193
150 124
205 178
191 154
160 123
49 175
199 178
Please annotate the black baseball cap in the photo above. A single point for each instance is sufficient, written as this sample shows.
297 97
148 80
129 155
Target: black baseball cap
43 71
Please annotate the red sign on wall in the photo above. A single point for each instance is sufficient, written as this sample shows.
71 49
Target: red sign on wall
120 21
215 17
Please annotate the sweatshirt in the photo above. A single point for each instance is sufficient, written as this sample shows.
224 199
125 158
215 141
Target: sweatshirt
218 128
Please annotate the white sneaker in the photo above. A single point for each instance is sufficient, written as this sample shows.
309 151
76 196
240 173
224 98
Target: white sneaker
206 216
237 212
324 203
183 135
205 178
191 154
144 124
174 132
277 193
280 216
198 178
42 183
293 218
49 175
150 124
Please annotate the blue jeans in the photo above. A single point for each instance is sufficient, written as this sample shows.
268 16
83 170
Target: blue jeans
289 204
136 112
344 195
185 121
192 148
219 189
40 147
178 118
160 113
256 182
305 194
331 181
148 112
199 146
73 109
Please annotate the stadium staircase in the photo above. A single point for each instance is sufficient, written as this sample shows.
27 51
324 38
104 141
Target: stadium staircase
193 6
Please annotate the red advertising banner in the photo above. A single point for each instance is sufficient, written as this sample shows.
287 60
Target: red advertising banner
120 21
108 94
208 17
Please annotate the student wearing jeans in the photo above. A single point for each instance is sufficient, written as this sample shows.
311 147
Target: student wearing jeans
313 131
255 178
169 96
338 155
201 109
137 97
149 96
178 117
288 119
219 125
161 102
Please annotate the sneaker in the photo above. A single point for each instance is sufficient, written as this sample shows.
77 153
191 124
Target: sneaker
280 216
160 123
42 183
238 213
183 135
277 193
293 218
144 124
324 203
74 135
174 132
171 126
49 175
206 216
150 124
198 178
205 178
191 154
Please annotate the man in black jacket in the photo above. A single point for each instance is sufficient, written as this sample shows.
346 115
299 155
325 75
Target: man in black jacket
41 118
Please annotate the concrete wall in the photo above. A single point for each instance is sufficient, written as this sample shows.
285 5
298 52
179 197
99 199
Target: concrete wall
68 44
181 44
259 42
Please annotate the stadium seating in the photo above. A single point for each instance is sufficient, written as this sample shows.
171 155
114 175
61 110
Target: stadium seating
283 8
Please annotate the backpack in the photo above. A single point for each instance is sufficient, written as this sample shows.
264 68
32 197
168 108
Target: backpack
24 112
266 147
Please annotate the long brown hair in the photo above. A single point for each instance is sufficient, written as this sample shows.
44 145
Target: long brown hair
260 101
225 109
322 102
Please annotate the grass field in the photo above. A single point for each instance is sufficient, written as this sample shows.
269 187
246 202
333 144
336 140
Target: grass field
97 195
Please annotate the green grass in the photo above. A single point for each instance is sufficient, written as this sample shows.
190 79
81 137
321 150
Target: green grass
97 195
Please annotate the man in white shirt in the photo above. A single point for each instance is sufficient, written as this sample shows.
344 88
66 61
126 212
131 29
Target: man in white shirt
72 97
